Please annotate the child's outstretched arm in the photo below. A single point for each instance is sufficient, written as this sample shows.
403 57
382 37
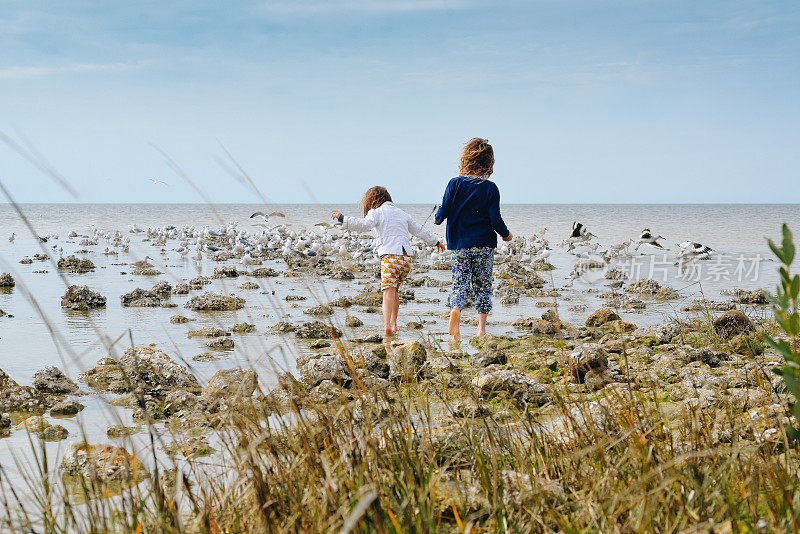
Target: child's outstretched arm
356 223
447 200
496 219
423 233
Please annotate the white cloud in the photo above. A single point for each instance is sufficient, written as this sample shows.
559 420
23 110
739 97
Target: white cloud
43 71
313 7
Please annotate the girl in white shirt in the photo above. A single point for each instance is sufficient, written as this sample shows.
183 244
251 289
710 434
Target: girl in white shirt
394 226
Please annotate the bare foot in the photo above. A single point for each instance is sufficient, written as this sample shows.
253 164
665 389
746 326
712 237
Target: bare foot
393 328
480 333
388 332
454 328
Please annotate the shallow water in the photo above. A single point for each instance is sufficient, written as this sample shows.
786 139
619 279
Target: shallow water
41 333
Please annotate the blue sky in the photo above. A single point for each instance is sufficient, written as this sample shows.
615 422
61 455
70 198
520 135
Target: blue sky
584 101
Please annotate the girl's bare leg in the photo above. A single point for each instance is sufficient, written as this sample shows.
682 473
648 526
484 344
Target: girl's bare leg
481 324
454 328
389 305
395 309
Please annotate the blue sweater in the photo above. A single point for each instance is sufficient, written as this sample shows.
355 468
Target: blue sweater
472 210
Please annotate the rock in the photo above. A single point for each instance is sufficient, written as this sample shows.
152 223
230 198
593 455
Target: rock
468 409
406 360
181 289
343 275
353 322
320 310
6 280
616 274
66 408
283 327
243 328
16 398
371 338
508 296
732 323
645 286
162 289
53 380
229 386
205 357
489 357
73 264
102 464
81 298
180 401
743 296
368 298
537 325
665 333
43 429
316 368
199 281
263 272
601 317
709 305
191 447
225 271
319 344
689 354
210 301
220 343
317 330
551 316
586 357
140 298
141 369
376 364
249 285
122 431
666 293
179 319
514 384
520 491
5 423
627 302
208 331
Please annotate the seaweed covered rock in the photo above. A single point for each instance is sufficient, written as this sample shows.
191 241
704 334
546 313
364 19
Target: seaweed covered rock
141 369
211 301
81 298
732 323
6 280
601 317
407 360
225 271
645 286
51 379
73 264
513 384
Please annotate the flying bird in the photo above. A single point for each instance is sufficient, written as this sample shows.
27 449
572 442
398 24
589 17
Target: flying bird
156 182
267 216
693 249
648 238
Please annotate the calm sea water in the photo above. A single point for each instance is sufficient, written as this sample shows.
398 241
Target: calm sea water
41 333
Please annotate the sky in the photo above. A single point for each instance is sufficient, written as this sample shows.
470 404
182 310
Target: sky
634 101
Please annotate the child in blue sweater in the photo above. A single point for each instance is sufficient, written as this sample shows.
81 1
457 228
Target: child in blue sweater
471 205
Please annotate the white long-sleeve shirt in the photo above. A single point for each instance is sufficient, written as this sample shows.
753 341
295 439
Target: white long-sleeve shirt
394 226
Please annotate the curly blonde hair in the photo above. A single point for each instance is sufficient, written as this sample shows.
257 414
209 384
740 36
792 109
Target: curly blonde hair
374 198
477 158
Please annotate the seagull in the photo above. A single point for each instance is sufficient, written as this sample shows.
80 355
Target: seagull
692 249
648 239
268 216
156 182
11 239
324 225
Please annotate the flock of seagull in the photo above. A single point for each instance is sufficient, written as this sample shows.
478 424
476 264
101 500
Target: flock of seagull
331 241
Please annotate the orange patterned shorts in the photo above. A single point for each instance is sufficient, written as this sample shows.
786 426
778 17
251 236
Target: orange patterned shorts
394 270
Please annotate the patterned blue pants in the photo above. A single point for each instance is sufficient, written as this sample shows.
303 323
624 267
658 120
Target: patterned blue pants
472 269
